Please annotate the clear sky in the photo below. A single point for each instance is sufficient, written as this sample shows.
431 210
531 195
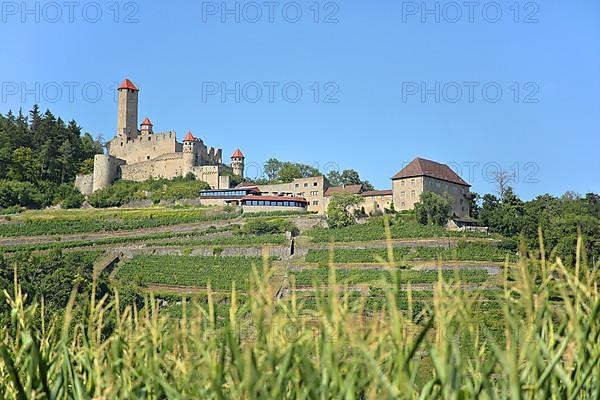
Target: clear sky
382 81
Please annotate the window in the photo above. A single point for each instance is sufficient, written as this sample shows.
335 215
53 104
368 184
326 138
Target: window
305 184
147 157
314 193
401 183
316 184
403 204
315 203
412 193
412 182
149 138
402 193
121 144
297 185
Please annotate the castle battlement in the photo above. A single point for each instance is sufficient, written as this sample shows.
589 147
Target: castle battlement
139 153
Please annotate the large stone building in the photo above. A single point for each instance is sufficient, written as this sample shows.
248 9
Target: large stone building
422 175
416 177
138 154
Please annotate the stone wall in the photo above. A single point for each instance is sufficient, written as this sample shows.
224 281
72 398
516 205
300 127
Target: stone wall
167 166
377 203
85 183
408 191
106 170
144 147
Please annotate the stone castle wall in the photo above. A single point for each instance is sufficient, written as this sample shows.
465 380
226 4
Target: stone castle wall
144 147
167 166
85 183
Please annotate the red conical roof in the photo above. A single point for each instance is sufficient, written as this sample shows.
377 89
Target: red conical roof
237 154
189 137
147 122
127 84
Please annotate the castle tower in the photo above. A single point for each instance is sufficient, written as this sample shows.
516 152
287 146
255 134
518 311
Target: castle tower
127 121
146 127
237 163
189 152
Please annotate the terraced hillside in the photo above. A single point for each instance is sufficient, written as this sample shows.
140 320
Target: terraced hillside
181 252
223 270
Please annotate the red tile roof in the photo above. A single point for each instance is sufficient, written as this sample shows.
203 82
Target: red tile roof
354 189
376 193
237 154
147 122
432 169
246 184
276 198
127 84
189 137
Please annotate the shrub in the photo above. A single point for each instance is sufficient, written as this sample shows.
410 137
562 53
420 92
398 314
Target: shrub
338 209
433 209
269 226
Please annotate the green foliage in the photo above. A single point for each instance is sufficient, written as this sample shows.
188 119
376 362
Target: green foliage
338 209
523 340
263 226
360 276
403 226
433 209
110 221
283 171
463 251
37 154
197 271
559 218
49 276
123 192
348 177
23 194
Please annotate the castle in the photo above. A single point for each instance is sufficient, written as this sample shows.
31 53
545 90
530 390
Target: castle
138 154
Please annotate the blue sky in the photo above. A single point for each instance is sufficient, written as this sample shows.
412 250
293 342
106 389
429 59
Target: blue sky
371 63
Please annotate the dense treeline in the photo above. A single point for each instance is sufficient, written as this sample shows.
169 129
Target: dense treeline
559 217
40 155
53 276
276 171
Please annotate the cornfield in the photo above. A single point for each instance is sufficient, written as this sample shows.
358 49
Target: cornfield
268 347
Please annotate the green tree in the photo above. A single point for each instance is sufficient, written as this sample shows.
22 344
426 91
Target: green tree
339 209
433 209
25 165
348 177
271 168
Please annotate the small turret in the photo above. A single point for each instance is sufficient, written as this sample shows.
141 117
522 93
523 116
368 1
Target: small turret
237 163
146 127
188 143
189 156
